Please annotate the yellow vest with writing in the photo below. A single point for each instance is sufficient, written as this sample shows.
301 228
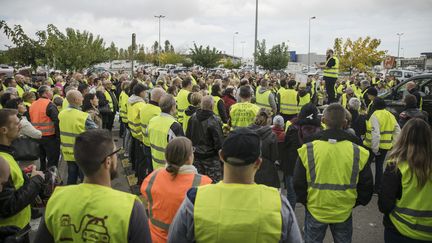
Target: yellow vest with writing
243 114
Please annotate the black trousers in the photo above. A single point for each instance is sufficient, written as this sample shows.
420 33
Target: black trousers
49 149
330 89
108 120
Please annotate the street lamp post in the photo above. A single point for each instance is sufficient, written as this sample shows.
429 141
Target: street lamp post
159 44
399 36
256 34
235 33
310 18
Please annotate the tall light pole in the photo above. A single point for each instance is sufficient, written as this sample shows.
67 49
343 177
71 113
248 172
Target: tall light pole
234 35
310 18
243 42
159 44
399 36
256 34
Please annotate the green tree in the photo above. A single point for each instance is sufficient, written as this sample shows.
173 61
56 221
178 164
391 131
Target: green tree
361 54
229 64
27 51
276 58
171 58
168 47
205 57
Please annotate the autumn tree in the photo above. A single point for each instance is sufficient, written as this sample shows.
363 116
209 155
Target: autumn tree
274 59
206 57
361 54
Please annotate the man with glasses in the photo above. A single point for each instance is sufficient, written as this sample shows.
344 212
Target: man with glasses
73 122
93 211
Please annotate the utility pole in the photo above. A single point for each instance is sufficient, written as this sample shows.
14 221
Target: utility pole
159 44
399 36
310 18
132 52
256 34
235 33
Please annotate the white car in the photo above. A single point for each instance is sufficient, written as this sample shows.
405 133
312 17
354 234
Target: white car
401 75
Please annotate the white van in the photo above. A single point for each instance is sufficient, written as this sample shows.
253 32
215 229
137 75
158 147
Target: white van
401 75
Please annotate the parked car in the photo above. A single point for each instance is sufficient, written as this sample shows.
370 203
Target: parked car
394 97
6 69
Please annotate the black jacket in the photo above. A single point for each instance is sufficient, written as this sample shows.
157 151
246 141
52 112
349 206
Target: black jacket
365 181
12 201
267 173
358 123
416 93
205 131
412 112
391 190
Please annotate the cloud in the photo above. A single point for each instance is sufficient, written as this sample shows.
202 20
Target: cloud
214 22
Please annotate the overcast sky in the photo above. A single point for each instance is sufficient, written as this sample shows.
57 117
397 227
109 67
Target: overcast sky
213 22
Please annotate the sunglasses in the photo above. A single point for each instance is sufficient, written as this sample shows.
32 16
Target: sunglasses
111 154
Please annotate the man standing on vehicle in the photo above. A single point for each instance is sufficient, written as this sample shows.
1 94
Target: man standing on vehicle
331 74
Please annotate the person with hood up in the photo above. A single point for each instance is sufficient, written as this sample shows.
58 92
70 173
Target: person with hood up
267 173
205 131
196 98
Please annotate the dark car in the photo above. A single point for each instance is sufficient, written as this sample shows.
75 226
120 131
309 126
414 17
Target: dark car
394 97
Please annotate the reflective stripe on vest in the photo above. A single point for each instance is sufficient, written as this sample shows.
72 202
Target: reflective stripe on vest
147 112
288 101
332 171
262 99
40 120
196 182
134 122
22 218
109 99
89 213
72 123
158 130
412 215
182 104
387 123
243 114
332 72
230 213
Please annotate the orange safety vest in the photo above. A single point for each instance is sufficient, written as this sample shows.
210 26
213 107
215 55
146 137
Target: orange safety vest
164 196
39 118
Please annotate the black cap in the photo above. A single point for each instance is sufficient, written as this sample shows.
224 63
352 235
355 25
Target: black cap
308 115
372 91
241 147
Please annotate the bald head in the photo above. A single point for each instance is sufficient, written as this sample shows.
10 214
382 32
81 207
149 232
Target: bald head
156 94
75 98
19 78
207 103
410 85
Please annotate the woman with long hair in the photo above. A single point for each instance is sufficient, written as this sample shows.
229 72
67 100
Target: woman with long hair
164 189
90 105
406 194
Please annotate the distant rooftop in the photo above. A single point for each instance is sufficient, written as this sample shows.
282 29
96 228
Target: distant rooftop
427 54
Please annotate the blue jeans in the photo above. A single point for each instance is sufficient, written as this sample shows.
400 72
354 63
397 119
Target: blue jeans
289 186
73 173
392 236
315 231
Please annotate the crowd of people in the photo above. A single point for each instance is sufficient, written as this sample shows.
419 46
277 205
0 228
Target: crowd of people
207 149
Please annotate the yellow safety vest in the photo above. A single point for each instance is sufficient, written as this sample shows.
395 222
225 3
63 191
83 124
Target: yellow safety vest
230 213
344 101
123 100
182 104
332 72
147 112
158 130
22 218
332 172
387 123
243 114
20 90
357 91
65 104
72 123
89 213
412 215
215 107
134 121
288 101
185 122
339 89
303 101
262 100
110 101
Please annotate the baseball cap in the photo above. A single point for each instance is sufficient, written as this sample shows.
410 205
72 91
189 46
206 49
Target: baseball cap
241 147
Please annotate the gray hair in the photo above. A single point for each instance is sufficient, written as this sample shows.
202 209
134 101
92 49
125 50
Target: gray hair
166 103
207 103
354 104
365 83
